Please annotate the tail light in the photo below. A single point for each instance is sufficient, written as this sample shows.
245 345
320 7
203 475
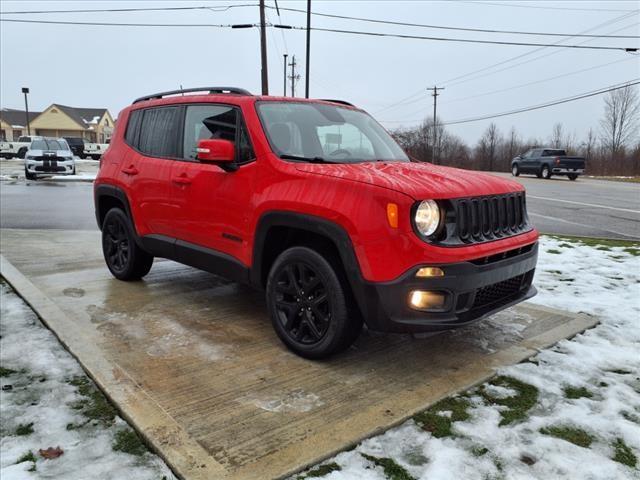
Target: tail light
557 160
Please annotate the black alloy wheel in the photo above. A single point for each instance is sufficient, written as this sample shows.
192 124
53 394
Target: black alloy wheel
124 258
310 305
302 304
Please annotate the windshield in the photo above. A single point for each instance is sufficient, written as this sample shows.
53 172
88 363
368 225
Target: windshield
319 132
49 145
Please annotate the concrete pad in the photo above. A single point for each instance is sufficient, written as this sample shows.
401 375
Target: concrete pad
192 361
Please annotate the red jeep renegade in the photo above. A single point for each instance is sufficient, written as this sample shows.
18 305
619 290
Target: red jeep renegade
314 202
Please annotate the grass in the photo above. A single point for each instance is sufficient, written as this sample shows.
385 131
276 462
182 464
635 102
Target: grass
554 251
624 454
617 179
128 441
431 420
517 405
5 372
392 470
321 471
631 245
577 392
94 405
24 429
575 435
28 457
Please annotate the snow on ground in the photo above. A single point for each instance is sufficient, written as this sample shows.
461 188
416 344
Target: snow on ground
585 389
52 403
588 392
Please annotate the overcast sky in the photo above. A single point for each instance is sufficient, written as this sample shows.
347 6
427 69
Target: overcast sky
106 66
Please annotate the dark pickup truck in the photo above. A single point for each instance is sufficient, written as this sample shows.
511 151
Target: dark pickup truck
545 162
77 146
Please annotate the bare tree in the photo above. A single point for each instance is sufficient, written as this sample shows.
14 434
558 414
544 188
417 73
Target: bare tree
620 120
487 148
556 136
589 145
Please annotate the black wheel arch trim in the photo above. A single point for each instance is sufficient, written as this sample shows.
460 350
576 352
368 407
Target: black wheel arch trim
103 191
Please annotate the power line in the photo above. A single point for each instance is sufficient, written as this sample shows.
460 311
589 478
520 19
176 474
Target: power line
110 24
442 27
462 40
218 8
515 87
629 83
516 5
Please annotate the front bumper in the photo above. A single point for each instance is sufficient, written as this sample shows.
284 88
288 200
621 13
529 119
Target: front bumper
48 167
474 290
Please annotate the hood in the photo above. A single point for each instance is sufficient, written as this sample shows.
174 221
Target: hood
418 180
52 153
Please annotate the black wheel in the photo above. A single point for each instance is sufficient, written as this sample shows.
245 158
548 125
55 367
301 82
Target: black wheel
22 152
572 176
515 170
82 156
29 176
309 305
74 170
545 172
95 157
125 259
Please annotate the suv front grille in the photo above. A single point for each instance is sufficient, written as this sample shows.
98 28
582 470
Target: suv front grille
482 219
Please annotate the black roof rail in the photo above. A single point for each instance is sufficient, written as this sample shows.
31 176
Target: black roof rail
343 102
211 90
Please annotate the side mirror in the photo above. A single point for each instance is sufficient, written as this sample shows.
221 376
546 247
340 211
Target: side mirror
216 150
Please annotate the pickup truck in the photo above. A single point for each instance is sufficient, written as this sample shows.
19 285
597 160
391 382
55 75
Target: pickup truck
545 162
17 149
83 149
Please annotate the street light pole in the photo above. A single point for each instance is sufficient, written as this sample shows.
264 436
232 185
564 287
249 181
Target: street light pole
306 78
25 90
435 130
263 51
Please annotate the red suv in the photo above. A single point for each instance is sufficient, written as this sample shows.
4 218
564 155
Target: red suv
315 203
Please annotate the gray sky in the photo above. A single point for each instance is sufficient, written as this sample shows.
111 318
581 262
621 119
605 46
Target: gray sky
92 66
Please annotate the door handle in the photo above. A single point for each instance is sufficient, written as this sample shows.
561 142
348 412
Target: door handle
182 179
130 170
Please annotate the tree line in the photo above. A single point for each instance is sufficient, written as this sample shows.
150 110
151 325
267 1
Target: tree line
611 148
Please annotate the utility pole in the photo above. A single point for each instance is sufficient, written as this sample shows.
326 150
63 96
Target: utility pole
285 75
25 90
306 78
263 51
435 130
293 75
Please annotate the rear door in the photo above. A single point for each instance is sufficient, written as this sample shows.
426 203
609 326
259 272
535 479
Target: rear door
154 135
213 206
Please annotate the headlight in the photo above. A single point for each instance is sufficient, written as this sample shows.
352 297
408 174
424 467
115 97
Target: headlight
427 217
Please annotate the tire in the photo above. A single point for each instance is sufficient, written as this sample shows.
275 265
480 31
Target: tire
572 176
82 156
74 171
29 176
295 313
22 152
95 157
515 170
545 172
124 258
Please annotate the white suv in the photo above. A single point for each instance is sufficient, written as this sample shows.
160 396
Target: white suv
48 156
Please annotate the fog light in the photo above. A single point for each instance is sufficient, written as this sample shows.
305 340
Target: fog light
426 272
427 300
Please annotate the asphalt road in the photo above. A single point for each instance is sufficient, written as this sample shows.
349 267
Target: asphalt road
586 207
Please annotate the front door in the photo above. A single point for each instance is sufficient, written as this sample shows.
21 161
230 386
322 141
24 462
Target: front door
213 205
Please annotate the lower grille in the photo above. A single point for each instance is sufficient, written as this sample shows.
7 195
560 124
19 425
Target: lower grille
499 291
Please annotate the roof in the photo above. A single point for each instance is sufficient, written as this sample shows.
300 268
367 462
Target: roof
16 118
82 116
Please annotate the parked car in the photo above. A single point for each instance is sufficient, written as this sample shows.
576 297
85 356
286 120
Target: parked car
313 202
77 146
49 156
17 149
545 162
94 150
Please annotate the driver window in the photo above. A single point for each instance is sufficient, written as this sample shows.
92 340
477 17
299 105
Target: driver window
206 122
344 140
527 154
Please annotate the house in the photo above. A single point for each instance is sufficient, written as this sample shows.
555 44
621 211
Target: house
13 123
92 124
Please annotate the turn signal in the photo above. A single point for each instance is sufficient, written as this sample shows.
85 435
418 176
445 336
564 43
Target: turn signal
392 215
427 272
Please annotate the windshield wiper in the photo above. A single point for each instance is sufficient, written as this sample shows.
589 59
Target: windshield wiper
305 159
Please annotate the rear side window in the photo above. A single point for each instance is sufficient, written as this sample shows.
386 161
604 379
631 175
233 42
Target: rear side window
159 132
215 121
133 128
